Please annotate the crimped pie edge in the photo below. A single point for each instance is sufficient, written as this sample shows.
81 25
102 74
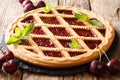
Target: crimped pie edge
84 58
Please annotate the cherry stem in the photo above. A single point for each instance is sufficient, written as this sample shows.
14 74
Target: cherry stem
2 51
100 55
104 53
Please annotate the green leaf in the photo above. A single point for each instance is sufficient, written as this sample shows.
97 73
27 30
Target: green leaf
17 32
26 31
74 44
13 40
25 37
96 23
81 17
84 17
24 34
47 9
70 45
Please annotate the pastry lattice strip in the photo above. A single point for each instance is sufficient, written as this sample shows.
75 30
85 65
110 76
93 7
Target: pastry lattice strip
65 25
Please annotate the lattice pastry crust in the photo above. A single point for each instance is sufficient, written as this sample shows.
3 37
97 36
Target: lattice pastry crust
48 43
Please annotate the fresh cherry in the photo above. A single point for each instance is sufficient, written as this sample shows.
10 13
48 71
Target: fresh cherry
6 55
40 4
7 63
2 58
25 2
1 64
97 67
21 1
28 7
9 55
10 66
113 66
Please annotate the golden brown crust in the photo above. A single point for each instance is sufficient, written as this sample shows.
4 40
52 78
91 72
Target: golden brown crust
39 59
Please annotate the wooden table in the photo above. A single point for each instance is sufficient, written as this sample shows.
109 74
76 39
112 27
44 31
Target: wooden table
110 9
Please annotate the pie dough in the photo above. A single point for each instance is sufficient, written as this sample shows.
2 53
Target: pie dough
48 45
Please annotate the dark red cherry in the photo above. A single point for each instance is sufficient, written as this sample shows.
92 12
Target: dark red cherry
28 7
25 2
113 66
21 1
9 55
40 4
2 58
10 66
97 67
1 64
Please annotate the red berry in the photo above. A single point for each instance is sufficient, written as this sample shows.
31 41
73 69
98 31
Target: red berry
10 66
2 58
25 2
40 4
21 1
97 67
113 66
28 7
1 64
9 55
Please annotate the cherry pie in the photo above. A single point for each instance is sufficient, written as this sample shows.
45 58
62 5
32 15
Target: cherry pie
48 45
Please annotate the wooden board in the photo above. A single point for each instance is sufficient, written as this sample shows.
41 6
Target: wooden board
110 9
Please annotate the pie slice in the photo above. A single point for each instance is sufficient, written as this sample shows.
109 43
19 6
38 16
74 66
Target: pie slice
49 44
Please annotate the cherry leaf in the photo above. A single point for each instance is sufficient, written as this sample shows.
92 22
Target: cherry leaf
17 32
74 44
47 9
13 40
96 23
81 17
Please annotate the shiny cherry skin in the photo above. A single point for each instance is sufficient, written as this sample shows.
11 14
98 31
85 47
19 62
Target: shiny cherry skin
2 58
40 4
25 2
97 67
10 66
21 1
9 55
113 66
28 7
1 64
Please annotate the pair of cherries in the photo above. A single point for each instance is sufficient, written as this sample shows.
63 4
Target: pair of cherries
97 68
7 62
28 5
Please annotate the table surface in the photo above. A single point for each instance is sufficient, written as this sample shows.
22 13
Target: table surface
110 9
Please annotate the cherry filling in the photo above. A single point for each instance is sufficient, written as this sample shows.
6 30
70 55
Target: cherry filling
92 43
29 19
38 30
47 13
50 20
31 50
93 19
83 32
53 53
69 12
59 31
44 42
73 21
102 31
65 43
24 42
72 54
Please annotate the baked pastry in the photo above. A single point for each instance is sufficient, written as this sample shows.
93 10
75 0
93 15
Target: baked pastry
48 43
